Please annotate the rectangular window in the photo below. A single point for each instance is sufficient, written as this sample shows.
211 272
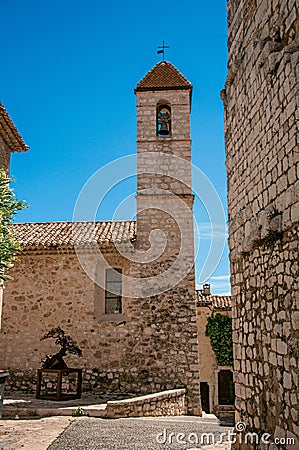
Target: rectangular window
113 291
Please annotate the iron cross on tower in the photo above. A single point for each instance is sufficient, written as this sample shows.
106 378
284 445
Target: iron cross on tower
163 47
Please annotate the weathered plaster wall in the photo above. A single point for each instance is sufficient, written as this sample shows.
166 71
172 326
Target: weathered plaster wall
261 133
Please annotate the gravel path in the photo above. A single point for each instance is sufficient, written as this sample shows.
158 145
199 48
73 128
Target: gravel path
140 434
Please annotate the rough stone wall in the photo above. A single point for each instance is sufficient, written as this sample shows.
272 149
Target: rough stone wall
261 133
147 352
167 403
50 290
207 360
4 154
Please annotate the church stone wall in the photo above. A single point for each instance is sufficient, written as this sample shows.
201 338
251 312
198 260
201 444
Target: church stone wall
261 133
150 351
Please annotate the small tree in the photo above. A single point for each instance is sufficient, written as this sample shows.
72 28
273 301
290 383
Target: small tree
9 206
67 344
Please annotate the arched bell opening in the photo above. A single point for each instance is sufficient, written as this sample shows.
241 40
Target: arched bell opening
163 120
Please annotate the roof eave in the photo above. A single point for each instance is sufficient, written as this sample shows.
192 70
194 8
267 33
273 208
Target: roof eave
17 144
24 148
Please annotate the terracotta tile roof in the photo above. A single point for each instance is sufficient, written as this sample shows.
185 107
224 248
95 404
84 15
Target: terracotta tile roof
215 301
9 133
56 234
163 76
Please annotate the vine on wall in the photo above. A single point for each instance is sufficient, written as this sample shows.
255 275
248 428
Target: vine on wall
219 330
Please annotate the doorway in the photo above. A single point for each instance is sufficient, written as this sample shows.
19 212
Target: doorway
226 394
205 396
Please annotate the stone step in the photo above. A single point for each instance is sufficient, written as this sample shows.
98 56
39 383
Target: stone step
29 412
165 403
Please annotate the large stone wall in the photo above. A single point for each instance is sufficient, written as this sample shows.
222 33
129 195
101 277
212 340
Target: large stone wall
261 133
148 351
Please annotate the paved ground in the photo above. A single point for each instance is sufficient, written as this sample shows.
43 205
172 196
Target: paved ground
154 433
31 434
62 432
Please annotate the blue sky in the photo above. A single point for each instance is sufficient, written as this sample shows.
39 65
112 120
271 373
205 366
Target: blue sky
68 71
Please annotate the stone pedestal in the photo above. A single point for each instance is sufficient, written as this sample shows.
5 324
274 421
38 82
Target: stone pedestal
59 395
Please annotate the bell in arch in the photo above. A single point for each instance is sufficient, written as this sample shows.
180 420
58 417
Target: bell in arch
164 130
163 121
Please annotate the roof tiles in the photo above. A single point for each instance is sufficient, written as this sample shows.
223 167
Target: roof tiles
9 133
56 234
215 301
163 76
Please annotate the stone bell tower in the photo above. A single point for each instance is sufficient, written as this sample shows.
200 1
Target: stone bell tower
165 221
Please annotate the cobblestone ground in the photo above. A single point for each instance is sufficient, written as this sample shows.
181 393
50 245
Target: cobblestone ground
176 433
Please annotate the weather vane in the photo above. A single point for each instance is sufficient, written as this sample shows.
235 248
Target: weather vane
163 47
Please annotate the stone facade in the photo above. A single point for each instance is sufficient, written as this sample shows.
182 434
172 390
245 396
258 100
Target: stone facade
151 345
132 353
261 133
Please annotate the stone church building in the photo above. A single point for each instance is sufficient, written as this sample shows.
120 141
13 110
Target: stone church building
136 327
139 330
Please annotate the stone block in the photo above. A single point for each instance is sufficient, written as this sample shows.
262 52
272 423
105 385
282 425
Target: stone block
281 347
287 380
